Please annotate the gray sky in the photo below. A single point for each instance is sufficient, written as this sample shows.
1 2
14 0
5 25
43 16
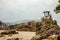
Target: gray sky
15 10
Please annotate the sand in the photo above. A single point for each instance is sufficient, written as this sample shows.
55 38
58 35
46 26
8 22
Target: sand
23 35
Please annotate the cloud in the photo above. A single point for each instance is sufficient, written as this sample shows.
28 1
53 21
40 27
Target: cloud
14 10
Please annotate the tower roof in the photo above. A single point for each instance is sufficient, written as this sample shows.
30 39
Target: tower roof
46 12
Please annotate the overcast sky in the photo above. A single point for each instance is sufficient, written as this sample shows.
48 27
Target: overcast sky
15 10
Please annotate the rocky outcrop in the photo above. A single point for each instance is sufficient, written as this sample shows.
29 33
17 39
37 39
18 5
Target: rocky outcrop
27 26
47 27
3 26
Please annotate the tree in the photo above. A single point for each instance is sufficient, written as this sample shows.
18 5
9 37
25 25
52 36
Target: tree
57 9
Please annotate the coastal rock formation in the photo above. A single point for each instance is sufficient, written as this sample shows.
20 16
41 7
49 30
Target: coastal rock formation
48 27
3 26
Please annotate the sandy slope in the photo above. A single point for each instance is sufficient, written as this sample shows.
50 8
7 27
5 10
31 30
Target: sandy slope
22 35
